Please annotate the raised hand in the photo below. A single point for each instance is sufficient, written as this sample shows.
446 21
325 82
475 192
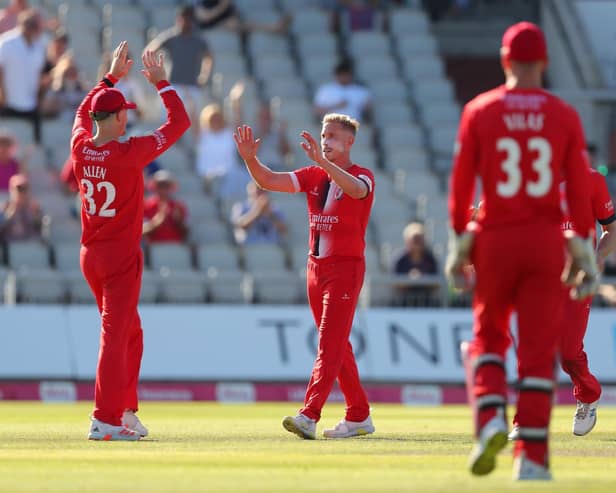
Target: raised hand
311 148
153 68
120 63
246 144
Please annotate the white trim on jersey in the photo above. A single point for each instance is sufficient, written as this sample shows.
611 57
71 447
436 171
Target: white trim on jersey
368 182
295 181
165 89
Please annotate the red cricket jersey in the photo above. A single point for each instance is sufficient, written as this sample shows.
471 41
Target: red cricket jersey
337 222
167 231
602 205
110 177
521 143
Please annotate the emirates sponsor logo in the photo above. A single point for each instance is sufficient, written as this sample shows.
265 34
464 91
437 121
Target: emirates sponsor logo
95 155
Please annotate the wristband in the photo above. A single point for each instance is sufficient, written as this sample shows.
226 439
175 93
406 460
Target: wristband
161 84
110 79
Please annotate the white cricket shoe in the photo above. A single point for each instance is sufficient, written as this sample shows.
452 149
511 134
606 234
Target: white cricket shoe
107 432
514 434
492 439
131 421
526 470
301 425
585 418
347 429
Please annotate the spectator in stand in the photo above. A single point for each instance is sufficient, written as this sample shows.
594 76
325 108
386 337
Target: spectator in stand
257 220
21 216
22 58
343 95
9 14
164 217
68 88
217 161
415 261
57 47
190 57
272 132
359 15
9 164
273 135
210 14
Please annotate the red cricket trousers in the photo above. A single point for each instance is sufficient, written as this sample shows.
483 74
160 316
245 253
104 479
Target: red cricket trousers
518 269
116 283
586 388
333 289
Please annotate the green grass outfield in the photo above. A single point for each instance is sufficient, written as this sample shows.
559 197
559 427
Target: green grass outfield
243 448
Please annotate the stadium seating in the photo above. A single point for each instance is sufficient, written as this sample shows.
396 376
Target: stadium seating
408 144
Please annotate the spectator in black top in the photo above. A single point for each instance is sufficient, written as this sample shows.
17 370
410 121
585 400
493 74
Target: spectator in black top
190 57
415 261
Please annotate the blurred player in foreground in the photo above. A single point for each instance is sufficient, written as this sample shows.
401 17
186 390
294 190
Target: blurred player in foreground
339 195
522 142
110 177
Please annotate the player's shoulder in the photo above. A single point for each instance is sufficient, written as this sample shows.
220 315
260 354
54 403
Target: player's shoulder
357 170
486 99
559 104
597 179
311 169
9 37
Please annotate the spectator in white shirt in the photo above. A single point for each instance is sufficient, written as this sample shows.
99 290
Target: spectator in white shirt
217 162
22 58
343 95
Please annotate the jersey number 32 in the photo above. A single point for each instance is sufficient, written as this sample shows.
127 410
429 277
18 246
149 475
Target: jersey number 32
110 192
511 166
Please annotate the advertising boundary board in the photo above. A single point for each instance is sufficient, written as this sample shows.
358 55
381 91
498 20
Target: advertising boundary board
259 344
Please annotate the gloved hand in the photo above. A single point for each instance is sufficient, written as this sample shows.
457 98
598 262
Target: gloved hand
457 266
581 270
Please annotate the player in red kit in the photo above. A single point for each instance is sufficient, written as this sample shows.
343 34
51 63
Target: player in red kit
110 177
339 195
521 141
573 359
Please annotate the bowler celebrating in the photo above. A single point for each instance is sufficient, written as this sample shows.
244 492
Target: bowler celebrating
340 195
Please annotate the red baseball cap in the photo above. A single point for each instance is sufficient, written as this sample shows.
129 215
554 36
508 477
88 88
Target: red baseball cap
110 100
524 42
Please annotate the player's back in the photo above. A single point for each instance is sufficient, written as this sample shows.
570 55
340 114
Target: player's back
112 193
524 139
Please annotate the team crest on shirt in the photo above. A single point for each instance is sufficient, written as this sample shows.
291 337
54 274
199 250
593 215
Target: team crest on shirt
339 193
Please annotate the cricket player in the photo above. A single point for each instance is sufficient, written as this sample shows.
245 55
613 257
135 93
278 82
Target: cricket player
339 195
110 177
573 359
521 141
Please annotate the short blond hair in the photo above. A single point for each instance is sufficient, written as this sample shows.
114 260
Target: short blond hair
345 120
413 229
207 113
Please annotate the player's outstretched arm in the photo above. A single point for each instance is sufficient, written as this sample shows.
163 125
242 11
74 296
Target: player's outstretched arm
353 187
150 146
247 147
120 65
